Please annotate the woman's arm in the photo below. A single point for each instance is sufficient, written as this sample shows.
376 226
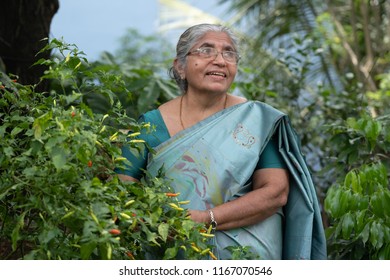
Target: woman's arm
270 192
124 177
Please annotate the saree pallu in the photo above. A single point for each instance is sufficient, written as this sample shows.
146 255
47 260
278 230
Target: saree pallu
213 161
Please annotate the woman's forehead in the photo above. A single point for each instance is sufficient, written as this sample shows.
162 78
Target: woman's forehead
212 39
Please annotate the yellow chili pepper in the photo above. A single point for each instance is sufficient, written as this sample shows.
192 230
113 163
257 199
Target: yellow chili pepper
184 202
125 216
103 129
212 255
78 65
137 141
207 234
196 249
109 251
120 159
205 251
98 143
94 218
134 134
174 206
129 202
114 136
67 215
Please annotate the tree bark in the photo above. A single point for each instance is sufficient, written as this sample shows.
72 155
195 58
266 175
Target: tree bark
24 24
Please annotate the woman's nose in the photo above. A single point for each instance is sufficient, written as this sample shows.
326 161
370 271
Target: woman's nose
219 59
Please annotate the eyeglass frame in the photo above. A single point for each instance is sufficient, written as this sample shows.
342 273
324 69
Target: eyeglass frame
199 50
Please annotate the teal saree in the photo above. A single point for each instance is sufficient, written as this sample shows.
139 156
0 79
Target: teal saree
212 162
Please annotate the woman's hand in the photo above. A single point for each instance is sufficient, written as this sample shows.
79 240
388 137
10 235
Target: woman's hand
199 216
270 192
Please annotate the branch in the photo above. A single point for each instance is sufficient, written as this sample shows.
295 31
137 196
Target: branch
367 39
351 54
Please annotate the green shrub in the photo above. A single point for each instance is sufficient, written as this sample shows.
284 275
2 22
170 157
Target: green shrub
360 209
359 206
59 196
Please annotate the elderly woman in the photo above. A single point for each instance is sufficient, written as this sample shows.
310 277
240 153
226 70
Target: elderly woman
237 161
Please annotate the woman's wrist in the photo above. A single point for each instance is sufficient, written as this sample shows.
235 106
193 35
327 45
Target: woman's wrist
212 221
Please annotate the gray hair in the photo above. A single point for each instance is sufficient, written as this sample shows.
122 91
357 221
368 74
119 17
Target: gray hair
188 39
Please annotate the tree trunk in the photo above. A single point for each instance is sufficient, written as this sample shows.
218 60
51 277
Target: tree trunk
23 26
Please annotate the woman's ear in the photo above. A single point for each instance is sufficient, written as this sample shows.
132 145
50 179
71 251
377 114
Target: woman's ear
179 69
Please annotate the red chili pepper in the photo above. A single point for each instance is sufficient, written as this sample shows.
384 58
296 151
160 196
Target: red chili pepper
133 214
172 194
130 255
115 231
90 163
2 87
73 114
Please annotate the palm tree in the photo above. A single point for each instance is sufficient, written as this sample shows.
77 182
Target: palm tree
351 35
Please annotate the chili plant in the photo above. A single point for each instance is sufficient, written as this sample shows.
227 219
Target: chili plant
59 196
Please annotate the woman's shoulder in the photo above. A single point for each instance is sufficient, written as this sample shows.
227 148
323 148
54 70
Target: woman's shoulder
170 106
234 100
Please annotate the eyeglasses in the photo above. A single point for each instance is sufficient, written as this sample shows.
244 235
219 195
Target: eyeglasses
207 52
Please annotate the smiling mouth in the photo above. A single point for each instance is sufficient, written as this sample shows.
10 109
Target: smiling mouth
218 74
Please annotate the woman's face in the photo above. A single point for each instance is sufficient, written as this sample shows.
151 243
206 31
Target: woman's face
213 74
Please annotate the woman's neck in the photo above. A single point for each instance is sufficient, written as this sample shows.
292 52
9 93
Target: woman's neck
196 108
205 102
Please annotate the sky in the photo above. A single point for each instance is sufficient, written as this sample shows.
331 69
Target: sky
95 26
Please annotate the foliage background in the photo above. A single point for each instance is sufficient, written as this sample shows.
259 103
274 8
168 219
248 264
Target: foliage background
326 64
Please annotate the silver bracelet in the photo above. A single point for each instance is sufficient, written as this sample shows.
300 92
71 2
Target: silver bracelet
213 222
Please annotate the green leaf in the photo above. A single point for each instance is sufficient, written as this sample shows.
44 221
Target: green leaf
384 252
16 131
376 235
3 129
53 142
386 202
360 221
48 234
352 181
87 249
59 158
15 236
365 233
376 204
344 201
41 123
150 236
8 151
188 227
163 230
372 129
170 253
155 215
332 201
347 225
